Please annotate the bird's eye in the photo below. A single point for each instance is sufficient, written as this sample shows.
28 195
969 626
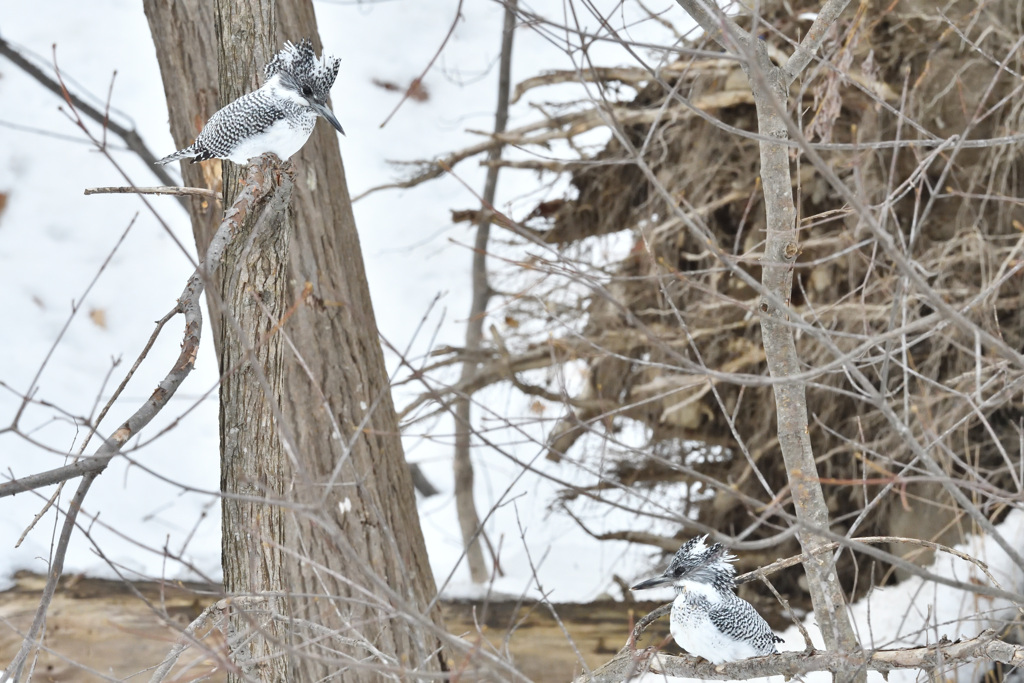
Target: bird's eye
306 91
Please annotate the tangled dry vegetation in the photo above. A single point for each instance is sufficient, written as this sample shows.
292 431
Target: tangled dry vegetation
673 339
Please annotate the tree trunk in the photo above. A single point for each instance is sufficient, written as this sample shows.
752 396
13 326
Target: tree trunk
319 514
465 502
769 85
782 246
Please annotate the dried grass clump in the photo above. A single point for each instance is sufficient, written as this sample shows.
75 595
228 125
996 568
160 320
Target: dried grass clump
953 213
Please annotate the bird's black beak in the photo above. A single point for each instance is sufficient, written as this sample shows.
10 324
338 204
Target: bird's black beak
327 114
652 583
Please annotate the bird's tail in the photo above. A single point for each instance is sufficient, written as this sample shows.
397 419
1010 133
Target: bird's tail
189 152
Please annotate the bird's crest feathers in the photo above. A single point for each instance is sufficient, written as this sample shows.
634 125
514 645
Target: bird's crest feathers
699 562
697 551
302 66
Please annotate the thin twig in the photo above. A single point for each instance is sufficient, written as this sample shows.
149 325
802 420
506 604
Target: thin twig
128 376
430 64
189 306
75 307
173 190
193 289
130 137
718 26
188 637
76 118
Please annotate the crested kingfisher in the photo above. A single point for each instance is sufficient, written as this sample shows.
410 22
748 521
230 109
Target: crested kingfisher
278 117
708 619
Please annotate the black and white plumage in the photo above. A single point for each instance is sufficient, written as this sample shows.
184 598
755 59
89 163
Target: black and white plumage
708 619
278 118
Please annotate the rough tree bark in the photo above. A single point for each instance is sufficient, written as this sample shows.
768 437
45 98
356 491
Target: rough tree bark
319 510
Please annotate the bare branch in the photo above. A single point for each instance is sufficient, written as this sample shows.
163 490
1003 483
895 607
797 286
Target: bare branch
419 79
188 303
130 137
189 637
718 26
823 23
633 76
189 306
67 324
986 646
172 190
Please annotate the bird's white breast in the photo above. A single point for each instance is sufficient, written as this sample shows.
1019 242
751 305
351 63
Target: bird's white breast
283 138
694 632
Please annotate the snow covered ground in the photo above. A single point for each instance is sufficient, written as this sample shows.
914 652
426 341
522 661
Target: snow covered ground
54 240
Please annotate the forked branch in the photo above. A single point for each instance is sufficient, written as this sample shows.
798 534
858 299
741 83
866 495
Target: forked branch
770 87
188 305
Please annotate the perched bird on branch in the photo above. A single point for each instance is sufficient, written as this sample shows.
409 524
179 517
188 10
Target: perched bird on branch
278 118
708 619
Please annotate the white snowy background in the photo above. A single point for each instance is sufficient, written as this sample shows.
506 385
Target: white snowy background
53 241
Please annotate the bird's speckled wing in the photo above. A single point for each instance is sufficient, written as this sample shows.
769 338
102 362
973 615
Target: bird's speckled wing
247 117
738 619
